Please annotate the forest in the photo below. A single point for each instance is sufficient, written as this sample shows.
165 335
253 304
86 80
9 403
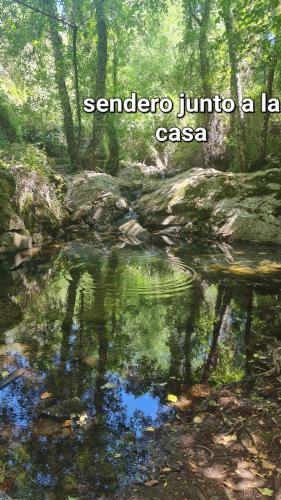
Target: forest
140 265
55 54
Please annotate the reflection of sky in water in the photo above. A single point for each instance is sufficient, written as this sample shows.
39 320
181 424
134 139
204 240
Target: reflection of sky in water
145 407
18 402
116 356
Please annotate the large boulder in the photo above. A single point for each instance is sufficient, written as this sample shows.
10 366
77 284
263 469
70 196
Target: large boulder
95 198
36 201
28 208
213 204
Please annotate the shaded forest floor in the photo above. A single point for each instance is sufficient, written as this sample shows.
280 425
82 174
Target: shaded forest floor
224 444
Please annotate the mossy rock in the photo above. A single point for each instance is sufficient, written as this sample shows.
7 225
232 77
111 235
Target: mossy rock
223 205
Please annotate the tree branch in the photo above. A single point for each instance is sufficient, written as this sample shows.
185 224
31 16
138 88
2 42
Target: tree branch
47 14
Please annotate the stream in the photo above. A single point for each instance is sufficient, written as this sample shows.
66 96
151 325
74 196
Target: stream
103 335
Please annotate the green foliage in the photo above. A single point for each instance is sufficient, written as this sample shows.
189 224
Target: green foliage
26 155
155 47
10 127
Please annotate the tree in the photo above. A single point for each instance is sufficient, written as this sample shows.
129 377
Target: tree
95 154
60 74
238 122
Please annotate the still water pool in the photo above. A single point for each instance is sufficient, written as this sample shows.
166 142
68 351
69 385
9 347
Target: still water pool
104 334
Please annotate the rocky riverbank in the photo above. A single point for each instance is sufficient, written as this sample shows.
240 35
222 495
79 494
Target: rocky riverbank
201 203
30 209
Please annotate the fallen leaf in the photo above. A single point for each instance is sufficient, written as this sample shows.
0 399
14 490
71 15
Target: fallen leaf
149 429
198 420
46 395
221 439
193 465
152 482
172 398
267 492
228 484
4 373
166 469
67 423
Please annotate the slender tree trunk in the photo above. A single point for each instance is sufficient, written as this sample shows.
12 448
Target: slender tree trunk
205 68
269 90
95 153
76 85
60 75
113 142
235 85
203 49
203 24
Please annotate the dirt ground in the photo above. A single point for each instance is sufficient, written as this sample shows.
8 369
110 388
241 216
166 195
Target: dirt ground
223 444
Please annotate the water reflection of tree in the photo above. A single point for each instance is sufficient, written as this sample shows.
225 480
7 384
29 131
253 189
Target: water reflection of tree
180 341
248 329
223 300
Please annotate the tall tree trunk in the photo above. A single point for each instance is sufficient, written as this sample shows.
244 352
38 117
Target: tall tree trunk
202 22
235 85
60 75
95 153
269 90
203 49
113 142
205 68
76 85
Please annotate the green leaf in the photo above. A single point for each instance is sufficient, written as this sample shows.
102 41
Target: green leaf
267 492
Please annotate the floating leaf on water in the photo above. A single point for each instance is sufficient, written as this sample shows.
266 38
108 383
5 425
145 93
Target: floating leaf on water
67 423
172 398
83 417
267 492
152 482
46 395
117 455
149 429
4 374
109 385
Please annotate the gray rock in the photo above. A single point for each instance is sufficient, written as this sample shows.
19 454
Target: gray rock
222 205
14 242
96 199
134 229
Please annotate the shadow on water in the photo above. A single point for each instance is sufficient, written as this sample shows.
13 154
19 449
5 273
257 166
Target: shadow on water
105 334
